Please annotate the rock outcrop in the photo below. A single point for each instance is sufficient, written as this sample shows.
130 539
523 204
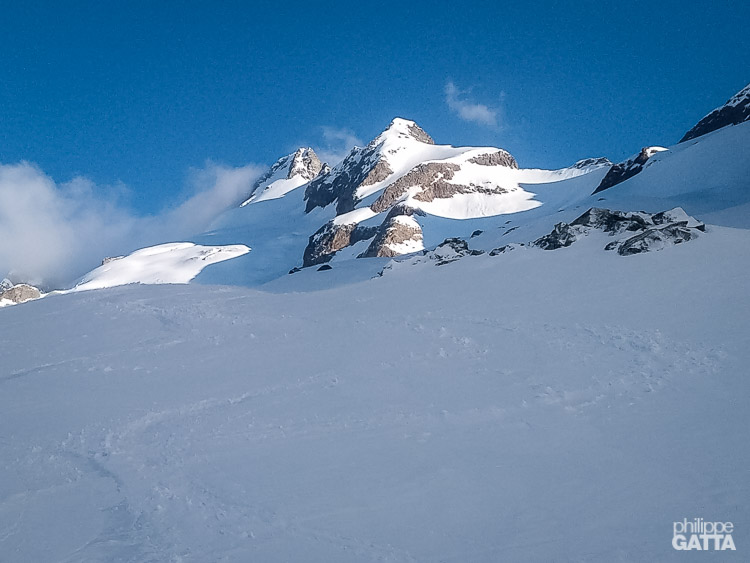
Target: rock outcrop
736 110
498 158
21 293
597 162
627 169
642 232
331 238
432 181
450 250
361 168
399 234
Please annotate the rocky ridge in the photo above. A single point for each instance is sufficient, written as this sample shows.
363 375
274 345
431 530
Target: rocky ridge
635 232
398 172
19 293
736 110
628 168
398 234
363 167
300 167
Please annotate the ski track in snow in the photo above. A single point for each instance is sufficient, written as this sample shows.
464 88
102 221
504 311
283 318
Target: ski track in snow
242 433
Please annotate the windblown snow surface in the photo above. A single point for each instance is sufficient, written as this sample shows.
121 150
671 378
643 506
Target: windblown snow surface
534 406
176 262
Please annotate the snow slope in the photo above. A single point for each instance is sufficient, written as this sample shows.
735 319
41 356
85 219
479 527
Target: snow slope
707 176
288 173
277 230
177 262
543 406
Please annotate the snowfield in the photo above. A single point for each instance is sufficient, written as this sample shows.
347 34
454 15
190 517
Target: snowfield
564 405
176 262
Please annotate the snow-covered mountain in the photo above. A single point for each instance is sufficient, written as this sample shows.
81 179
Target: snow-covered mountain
381 191
517 369
403 193
398 194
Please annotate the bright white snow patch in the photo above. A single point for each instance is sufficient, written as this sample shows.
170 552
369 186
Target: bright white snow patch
471 205
176 262
651 151
355 216
277 189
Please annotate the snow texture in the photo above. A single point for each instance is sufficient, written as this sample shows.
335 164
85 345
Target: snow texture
525 407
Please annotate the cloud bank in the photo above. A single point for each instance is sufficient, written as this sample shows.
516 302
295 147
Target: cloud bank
52 233
469 110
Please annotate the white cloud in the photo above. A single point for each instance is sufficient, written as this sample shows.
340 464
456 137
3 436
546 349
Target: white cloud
213 189
52 233
337 142
469 110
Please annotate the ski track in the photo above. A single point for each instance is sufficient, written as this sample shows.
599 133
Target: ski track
202 446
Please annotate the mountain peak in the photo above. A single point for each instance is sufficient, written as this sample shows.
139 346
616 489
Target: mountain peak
304 163
400 128
288 173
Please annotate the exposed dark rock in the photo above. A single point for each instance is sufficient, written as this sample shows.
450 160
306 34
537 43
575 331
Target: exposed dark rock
109 259
677 215
305 164
627 169
561 236
432 178
362 167
476 233
613 222
591 162
654 239
325 267
450 250
398 228
501 250
20 293
295 270
644 231
340 183
331 238
736 110
499 158
377 173
419 134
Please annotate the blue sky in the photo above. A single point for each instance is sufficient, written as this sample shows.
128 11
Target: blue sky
137 95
